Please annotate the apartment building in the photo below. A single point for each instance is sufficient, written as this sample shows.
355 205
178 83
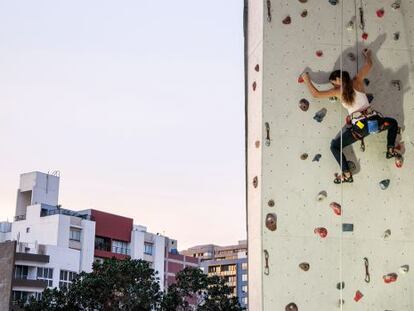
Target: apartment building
52 244
228 262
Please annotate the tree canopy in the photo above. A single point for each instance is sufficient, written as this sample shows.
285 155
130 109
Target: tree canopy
132 285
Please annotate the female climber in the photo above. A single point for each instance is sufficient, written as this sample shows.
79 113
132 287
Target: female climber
363 120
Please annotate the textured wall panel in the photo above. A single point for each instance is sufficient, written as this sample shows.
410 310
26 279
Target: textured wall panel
289 182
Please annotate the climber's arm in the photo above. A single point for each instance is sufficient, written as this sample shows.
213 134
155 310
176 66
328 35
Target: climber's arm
333 92
364 71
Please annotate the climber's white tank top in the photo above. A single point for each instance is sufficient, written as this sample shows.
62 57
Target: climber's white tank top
360 103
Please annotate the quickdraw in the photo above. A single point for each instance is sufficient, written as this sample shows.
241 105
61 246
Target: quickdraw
266 269
367 275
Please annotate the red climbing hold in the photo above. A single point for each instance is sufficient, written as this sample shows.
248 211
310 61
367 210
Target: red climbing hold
319 53
300 79
365 36
336 208
380 12
390 278
257 68
254 86
358 296
399 161
322 232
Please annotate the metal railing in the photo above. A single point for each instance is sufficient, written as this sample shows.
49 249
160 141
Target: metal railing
62 211
20 217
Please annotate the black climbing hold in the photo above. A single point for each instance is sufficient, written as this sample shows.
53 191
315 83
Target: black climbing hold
384 184
271 203
396 5
291 307
257 68
347 227
387 234
287 20
320 115
304 13
366 81
396 84
351 56
396 36
255 182
322 196
370 97
271 221
404 269
304 266
303 1
304 104
333 2
304 156
317 157
254 86
340 285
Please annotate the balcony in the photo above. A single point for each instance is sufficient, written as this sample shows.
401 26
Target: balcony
22 282
32 252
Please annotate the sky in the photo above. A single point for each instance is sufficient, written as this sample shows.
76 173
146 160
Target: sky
138 104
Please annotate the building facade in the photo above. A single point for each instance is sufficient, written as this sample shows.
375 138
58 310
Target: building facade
228 262
53 244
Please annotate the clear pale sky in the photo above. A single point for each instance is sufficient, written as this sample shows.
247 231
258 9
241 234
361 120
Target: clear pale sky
139 105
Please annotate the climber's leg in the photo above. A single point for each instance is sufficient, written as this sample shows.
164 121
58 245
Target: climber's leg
391 125
347 139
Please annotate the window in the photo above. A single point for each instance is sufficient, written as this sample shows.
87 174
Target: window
244 300
148 248
120 247
45 274
75 234
103 244
66 278
244 289
244 266
21 272
244 277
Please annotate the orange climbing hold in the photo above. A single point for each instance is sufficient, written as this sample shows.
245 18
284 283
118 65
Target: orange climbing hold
390 278
399 161
300 79
322 232
336 207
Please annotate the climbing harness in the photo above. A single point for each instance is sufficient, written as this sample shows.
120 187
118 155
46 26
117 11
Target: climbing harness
355 124
367 275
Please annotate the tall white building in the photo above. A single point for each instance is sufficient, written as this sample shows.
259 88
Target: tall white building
53 244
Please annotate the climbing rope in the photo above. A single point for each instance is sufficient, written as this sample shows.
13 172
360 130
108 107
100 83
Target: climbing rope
341 149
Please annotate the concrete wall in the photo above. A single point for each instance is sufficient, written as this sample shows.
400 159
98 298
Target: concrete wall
287 186
7 253
36 188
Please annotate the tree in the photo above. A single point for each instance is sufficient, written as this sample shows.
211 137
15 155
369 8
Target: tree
112 285
131 285
195 290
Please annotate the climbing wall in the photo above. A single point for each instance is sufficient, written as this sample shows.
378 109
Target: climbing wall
314 245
